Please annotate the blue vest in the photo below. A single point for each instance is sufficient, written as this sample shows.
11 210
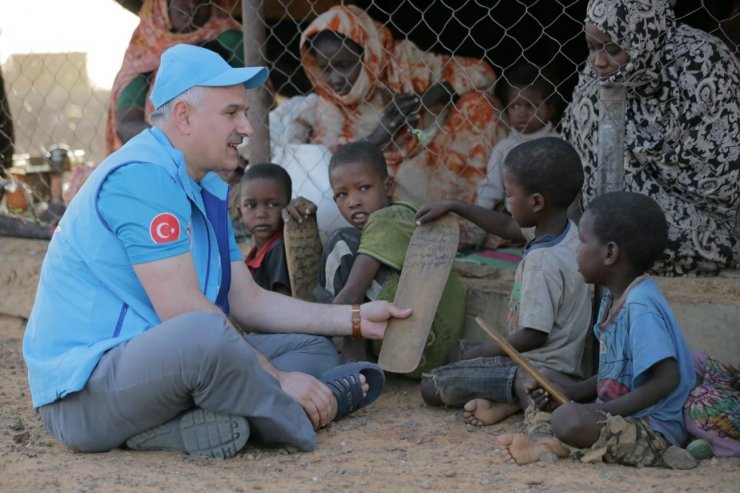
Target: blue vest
89 299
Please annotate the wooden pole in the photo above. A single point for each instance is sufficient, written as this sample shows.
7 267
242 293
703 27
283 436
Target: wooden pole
253 26
520 360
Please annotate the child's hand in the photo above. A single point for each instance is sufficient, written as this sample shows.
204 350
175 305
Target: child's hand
298 208
542 399
432 211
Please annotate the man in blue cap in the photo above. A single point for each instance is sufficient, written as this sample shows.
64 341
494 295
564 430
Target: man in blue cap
132 338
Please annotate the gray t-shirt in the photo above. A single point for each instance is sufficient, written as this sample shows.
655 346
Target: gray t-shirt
550 295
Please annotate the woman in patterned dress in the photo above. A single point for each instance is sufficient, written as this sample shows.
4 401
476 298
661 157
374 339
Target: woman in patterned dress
682 142
164 23
432 115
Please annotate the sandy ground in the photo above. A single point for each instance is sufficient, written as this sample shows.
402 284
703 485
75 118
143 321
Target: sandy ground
397 444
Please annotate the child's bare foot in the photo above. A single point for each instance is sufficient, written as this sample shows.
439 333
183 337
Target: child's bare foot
482 412
524 449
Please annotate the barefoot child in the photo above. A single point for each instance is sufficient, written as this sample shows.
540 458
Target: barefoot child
365 262
265 191
645 368
549 307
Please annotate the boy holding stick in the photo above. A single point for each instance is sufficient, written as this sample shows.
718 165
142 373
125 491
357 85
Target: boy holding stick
550 304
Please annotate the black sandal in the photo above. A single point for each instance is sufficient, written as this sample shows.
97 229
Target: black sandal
344 382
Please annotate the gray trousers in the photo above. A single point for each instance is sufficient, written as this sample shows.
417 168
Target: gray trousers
194 360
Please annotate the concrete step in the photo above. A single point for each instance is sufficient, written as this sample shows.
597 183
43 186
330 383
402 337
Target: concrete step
707 308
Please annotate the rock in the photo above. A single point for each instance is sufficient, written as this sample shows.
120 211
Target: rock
22 437
549 458
678 458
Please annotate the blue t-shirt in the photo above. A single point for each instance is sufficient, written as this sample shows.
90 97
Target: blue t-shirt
637 335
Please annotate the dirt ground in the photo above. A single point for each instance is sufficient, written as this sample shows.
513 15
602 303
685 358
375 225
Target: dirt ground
397 444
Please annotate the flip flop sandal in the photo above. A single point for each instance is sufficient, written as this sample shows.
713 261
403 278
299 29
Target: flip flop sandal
344 382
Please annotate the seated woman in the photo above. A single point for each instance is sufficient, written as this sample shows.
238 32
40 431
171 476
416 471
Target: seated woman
164 23
681 143
432 115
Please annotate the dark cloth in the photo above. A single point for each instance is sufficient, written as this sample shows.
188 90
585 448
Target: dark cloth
272 270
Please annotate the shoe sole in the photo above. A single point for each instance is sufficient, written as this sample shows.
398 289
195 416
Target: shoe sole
198 432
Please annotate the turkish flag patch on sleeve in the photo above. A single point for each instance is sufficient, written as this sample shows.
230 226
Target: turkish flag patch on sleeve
164 228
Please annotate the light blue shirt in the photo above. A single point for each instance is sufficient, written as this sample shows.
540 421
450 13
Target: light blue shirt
138 206
642 333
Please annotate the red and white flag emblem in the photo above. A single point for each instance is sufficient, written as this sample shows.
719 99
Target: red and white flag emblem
164 228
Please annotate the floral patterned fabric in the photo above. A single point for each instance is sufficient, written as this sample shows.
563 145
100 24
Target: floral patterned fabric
449 158
712 410
682 141
150 39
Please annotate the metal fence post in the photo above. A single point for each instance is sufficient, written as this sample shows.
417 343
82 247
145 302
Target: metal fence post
610 166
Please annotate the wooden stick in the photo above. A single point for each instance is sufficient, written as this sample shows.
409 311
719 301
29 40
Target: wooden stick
522 362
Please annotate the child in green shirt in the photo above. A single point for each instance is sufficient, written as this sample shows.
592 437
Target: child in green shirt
365 262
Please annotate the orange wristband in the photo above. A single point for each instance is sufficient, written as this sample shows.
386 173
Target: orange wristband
356 320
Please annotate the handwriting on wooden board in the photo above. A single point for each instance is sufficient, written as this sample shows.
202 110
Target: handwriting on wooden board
303 254
427 266
430 250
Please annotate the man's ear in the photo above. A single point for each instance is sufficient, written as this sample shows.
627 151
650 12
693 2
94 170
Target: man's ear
390 186
537 200
181 114
611 253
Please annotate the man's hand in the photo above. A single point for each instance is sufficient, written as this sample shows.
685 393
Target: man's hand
432 211
298 209
375 316
314 397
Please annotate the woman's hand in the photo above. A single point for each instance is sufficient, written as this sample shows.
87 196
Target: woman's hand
438 94
401 111
298 209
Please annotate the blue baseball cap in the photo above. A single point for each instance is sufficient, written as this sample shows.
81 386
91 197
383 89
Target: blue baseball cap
184 66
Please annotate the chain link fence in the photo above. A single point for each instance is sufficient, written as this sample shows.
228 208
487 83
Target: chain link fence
53 120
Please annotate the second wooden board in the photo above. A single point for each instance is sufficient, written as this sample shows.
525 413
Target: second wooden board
302 254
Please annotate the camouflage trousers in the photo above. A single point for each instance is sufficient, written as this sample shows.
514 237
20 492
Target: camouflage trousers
627 441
